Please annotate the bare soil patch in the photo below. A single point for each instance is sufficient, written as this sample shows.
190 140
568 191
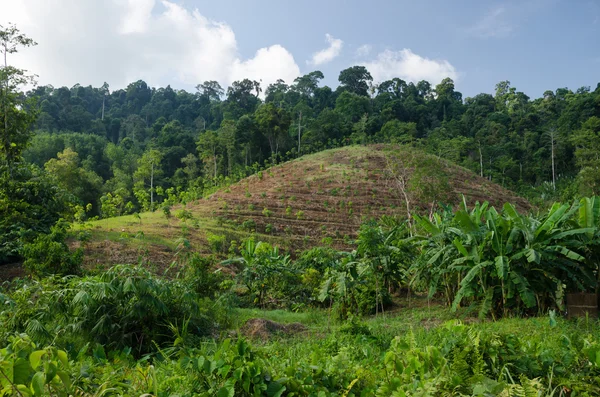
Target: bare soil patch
260 328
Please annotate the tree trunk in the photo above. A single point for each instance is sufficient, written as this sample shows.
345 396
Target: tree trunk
480 161
152 187
553 173
5 96
215 160
299 131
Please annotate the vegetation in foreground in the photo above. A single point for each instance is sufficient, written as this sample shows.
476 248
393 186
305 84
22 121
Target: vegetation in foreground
126 331
412 352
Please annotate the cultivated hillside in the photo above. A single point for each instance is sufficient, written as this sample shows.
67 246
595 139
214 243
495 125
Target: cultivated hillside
329 194
317 199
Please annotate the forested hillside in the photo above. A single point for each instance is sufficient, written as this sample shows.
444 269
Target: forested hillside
127 149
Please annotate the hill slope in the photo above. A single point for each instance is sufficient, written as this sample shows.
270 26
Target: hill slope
336 190
317 199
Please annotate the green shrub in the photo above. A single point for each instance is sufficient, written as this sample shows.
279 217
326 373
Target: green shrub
166 209
49 254
202 277
267 212
125 307
183 215
269 228
249 225
216 242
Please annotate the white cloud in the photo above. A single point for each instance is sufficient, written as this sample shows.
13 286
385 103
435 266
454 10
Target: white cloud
494 24
268 65
328 54
120 41
363 50
409 66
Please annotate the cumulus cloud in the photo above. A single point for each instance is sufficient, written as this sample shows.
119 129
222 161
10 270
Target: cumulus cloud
328 54
363 50
268 65
120 41
409 66
494 24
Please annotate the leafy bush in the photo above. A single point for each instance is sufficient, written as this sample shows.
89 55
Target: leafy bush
30 204
49 254
183 215
201 276
216 242
267 212
125 307
249 225
494 258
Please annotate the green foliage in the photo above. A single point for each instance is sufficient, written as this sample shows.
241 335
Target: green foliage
30 204
49 254
249 225
125 307
493 259
26 371
18 111
511 357
216 242
201 276
267 212
184 215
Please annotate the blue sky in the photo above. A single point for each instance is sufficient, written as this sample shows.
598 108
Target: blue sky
536 44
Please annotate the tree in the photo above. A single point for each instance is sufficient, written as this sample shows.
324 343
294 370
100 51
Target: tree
274 123
353 106
148 170
552 137
587 155
209 149
307 85
211 90
30 204
276 92
84 184
106 91
191 167
447 99
18 113
356 79
242 98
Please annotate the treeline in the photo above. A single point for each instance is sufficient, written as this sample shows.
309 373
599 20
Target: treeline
124 150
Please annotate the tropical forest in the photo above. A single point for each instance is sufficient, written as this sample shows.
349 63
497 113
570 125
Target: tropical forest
375 238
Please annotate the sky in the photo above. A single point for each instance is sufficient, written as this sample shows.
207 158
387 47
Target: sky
537 45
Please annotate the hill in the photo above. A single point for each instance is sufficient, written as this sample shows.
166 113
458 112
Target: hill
318 199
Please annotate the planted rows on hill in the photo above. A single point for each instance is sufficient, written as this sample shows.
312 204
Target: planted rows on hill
324 198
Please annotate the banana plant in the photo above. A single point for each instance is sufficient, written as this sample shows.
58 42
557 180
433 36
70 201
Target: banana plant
385 250
507 261
261 265
589 218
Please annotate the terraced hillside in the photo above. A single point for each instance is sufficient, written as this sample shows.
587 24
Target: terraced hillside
317 199
329 194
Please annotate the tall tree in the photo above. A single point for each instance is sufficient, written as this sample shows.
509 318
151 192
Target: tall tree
18 114
356 79
211 90
274 123
587 154
148 170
